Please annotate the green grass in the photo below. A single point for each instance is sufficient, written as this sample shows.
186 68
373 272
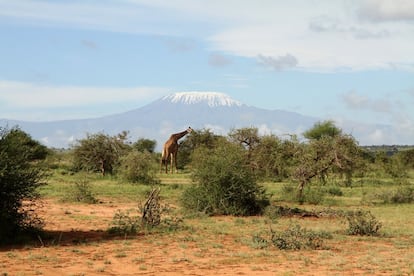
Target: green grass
396 218
59 185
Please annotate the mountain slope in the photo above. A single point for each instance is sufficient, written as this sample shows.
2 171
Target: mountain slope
212 99
173 113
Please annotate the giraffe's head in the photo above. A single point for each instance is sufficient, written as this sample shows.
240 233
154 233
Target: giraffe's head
189 130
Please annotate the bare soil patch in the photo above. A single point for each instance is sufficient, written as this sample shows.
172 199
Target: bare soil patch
79 244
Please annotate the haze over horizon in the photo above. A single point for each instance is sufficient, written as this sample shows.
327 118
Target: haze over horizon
339 60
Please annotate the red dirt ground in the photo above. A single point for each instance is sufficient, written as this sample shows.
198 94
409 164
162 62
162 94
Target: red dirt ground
80 245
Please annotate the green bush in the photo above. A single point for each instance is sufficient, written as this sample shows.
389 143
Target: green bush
259 242
139 167
99 152
335 191
225 185
312 194
125 224
297 238
293 238
81 191
20 176
362 223
403 194
289 192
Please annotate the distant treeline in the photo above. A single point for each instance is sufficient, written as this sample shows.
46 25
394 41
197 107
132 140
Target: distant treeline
388 149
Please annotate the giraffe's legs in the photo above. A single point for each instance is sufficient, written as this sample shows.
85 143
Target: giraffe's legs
175 162
172 163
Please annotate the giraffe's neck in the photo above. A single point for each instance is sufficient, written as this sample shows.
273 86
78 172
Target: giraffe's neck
179 135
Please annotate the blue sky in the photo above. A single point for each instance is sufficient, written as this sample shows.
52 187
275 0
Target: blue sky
349 60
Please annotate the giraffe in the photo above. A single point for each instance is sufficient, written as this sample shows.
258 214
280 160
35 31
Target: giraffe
171 148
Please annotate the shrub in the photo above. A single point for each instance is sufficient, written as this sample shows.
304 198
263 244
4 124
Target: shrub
403 194
289 192
312 195
151 216
125 224
139 167
225 184
335 191
82 192
20 176
99 152
362 223
296 238
293 238
151 211
259 242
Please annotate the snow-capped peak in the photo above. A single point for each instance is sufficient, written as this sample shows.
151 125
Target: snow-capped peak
213 99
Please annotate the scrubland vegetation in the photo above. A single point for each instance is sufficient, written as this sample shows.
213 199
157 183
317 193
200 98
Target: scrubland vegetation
265 193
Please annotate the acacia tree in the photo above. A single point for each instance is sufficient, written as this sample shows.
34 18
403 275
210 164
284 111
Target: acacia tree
321 129
249 138
197 138
391 165
274 158
20 176
328 151
326 155
100 152
144 144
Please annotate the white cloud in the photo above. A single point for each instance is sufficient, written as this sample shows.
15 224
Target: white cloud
278 63
355 101
392 121
20 94
377 137
264 129
114 16
385 10
60 102
321 35
404 127
217 129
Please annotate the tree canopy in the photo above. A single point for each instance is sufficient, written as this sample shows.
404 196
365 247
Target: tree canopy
100 152
144 144
321 129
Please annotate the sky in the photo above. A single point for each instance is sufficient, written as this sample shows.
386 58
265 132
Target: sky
344 60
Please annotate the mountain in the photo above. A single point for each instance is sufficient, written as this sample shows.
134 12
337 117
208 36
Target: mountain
212 99
170 114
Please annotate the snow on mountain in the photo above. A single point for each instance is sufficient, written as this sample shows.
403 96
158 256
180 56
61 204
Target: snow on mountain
157 120
212 99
